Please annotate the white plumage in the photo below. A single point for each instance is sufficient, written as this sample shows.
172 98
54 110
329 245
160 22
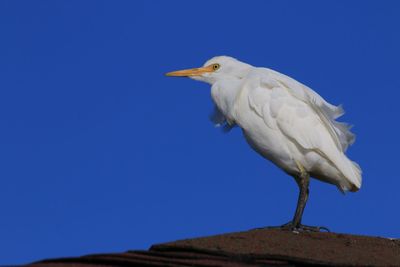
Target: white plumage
282 119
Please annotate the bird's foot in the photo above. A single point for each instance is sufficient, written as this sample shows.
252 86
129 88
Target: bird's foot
290 226
308 228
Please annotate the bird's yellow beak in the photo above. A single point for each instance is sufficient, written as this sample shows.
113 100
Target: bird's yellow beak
191 72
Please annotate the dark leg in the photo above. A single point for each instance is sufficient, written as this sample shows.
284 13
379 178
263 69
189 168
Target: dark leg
303 181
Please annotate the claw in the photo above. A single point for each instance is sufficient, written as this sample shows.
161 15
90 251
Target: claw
299 228
307 228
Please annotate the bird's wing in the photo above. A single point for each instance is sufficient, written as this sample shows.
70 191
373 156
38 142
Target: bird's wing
289 115
339 131
305 119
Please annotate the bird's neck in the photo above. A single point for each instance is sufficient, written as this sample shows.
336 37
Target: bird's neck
224 93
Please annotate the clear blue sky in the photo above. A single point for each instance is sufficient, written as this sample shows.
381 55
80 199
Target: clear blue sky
100 152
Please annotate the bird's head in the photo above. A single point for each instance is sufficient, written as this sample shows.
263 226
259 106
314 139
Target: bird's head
215 69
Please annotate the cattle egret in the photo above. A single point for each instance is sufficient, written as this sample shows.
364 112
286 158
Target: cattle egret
284 121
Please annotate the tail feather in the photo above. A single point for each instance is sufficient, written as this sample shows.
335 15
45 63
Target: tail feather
357 175
352 173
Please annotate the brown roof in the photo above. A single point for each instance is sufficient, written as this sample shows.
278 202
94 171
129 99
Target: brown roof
264 247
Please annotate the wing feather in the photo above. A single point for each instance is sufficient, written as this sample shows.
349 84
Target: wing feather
339 131
307 120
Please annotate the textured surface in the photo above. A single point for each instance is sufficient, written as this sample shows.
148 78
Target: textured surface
263 247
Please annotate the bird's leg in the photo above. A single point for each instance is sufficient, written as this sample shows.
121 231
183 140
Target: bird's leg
303 181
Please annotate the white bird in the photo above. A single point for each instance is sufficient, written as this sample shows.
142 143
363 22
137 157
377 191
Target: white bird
285 122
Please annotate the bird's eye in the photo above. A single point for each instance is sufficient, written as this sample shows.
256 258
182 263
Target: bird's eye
215 66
